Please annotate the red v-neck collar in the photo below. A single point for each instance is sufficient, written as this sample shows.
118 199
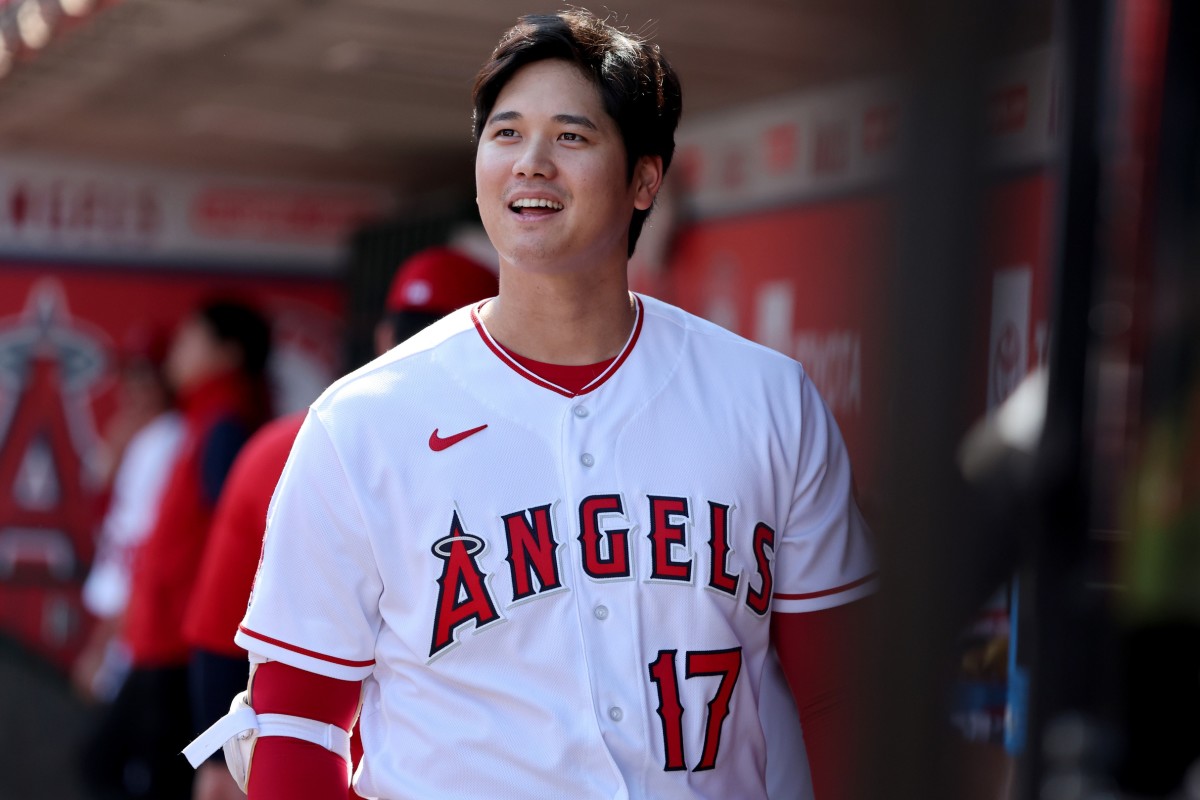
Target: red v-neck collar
573 378
542 381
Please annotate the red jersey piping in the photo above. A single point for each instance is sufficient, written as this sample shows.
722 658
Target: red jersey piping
495 347
827 592
310 653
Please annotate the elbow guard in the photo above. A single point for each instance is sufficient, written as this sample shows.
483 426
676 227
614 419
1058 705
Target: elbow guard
237 731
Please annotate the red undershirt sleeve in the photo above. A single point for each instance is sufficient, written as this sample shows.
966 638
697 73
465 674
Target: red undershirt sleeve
286 767
816 652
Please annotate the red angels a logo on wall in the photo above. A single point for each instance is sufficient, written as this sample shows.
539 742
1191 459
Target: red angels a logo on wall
50 365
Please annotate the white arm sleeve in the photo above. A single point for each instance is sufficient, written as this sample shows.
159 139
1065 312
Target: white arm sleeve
137 487
315 603
823 557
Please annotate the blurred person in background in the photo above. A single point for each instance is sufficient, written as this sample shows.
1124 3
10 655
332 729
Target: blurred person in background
216 367
141 442
427 286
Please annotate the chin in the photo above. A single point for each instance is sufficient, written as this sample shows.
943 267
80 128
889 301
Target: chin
535 263
534 256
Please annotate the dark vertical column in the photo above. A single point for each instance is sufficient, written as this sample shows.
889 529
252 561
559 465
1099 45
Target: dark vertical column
1161 635
931 577
1065 624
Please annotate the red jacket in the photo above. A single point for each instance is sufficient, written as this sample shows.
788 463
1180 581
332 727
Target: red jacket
235 544
219 416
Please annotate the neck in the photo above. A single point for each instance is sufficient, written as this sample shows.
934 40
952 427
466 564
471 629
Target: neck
561 319
216 390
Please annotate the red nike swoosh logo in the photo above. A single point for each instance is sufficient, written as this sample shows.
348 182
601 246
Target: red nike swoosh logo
438 443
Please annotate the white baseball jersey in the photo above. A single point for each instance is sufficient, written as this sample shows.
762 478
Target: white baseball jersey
553 594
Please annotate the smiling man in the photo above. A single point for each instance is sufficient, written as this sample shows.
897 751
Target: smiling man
556 544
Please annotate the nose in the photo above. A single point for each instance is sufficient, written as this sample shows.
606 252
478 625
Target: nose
535 159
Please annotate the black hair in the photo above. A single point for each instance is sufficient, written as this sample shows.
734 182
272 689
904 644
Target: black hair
637 85
240 325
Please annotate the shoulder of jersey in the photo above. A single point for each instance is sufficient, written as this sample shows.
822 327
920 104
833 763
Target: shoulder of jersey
401 359
721 340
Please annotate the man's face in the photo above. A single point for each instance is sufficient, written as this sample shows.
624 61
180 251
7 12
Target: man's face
197 354
551 177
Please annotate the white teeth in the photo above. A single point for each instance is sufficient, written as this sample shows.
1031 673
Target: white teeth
537 202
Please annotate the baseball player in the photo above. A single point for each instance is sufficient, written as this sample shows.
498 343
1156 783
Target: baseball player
553 545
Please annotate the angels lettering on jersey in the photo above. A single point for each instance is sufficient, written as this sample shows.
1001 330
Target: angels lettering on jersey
603 547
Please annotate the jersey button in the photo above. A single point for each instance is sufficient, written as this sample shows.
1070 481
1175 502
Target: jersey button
587 459
616 714
601 612
581 411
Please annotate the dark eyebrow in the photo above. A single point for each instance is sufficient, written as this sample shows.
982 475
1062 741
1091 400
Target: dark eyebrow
562 119
572 119
504 116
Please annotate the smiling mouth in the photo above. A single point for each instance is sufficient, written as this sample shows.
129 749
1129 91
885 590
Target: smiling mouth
535 206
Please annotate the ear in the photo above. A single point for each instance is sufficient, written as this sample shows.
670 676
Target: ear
647 179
